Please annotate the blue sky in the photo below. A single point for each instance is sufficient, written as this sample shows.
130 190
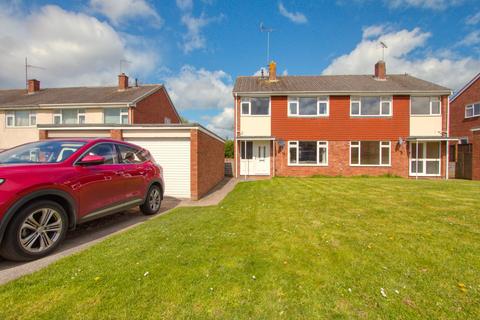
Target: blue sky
197 48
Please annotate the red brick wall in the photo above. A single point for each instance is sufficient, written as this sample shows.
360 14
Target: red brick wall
339 126
339 162
207 163
154 109
460 127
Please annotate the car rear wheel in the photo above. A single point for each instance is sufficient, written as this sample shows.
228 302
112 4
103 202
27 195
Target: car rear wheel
35 231
153 201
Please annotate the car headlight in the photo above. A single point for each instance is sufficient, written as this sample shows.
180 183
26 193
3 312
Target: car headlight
2 181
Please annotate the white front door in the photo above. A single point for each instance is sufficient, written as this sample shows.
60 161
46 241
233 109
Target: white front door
262 157
254 158
425 158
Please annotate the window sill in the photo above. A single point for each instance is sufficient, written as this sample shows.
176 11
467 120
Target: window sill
476 116
371 165
20 127
307 165
311 117
376 116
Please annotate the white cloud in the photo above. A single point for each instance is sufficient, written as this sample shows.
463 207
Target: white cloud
426 4
222 123
473 19
296 17
372 31
202 89
194 39
196 88
185 4
74 48
471 39
443 69
118 11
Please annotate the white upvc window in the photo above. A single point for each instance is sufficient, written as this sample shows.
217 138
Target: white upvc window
21 118
425 106
371 106
255 106
115 115
308 106
308 153
370 153
425 158
69 116
472 110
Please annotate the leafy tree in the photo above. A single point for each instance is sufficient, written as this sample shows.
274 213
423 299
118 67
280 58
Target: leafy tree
229 150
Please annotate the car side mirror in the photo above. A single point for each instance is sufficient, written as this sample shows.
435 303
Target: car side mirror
90 160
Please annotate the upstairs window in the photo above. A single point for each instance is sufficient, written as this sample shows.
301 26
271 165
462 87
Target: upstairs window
23 118
115 116
308 106
371 106
255 106
427 106
69 116
472 110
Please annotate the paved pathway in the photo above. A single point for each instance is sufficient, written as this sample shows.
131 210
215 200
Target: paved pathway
93 232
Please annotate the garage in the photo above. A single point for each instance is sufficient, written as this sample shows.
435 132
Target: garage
174 157
192 156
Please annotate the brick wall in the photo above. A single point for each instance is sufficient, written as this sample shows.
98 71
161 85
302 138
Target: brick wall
339 162
154 109
207 163
339 125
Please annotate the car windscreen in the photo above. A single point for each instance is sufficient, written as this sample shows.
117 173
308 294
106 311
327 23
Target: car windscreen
41 152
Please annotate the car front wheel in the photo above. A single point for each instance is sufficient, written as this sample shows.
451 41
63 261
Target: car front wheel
35 231
153 201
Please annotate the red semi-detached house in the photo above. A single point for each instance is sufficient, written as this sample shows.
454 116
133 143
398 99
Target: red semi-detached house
340 125
465 125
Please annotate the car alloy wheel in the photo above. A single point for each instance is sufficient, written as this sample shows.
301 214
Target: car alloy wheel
40 230
154 200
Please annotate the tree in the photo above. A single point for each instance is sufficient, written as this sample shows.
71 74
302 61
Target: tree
229 150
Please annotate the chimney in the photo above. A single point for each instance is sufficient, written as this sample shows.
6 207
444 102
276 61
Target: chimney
122 82
380 70
33 86
272 71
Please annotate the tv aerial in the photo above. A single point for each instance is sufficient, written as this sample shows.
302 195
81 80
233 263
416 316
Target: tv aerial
29 66
384 46
268 30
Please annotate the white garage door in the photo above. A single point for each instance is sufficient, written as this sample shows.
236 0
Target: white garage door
173 154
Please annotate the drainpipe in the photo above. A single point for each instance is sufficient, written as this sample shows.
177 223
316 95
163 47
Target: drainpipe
235 135
416 162
448 135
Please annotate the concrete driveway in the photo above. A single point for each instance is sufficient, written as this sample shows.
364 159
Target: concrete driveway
95 231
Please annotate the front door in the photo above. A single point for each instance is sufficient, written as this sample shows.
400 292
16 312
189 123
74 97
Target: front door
254 158
463 168
262 157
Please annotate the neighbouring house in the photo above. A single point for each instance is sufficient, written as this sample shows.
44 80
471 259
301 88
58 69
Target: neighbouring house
22 109
192 156
465 125
340 125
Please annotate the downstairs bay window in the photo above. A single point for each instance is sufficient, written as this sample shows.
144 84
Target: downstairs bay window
308 153
370 153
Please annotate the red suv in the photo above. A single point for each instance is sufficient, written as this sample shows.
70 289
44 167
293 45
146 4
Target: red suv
48 187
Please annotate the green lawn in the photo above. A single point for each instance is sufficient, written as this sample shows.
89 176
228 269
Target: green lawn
284 248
